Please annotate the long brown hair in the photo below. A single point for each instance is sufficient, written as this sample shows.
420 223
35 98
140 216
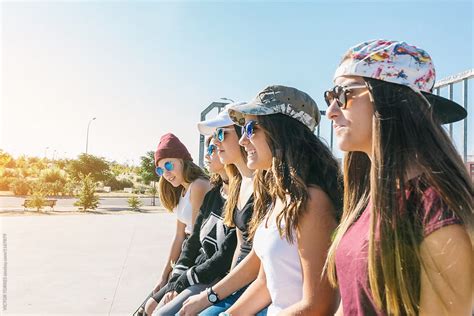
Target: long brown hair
169 195
405 134
235 180
299 160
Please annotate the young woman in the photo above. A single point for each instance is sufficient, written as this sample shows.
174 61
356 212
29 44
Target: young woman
403 246
182 188
297 195
209 250
238 211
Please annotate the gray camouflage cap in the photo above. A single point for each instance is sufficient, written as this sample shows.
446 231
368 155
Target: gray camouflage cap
279 99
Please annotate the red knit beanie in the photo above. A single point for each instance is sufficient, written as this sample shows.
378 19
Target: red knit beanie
171 147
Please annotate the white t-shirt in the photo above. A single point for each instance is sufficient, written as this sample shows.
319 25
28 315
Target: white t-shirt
184 211
282 266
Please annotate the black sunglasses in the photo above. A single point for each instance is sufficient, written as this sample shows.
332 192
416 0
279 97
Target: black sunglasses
339 93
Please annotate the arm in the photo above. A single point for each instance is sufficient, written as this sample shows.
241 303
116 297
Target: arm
314 239
447 272
215 267
175 250
255 298
239 237
244 273
190 252
198 192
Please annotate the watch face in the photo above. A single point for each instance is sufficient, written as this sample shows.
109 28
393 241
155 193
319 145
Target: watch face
212 298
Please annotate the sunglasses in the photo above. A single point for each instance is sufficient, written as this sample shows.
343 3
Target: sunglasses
249 129
168 166
339 93
220 133
211 149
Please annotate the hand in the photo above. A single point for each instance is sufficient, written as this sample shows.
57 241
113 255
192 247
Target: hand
169 297
161 282
195 304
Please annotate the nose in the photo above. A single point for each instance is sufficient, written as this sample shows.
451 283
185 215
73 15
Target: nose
166 173
333 110
243 140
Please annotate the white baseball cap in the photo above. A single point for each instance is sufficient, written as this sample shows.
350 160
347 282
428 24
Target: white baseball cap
222 119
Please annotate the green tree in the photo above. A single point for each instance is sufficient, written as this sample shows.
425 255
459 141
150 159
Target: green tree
37 199
87 197
147 172
98 168
134 203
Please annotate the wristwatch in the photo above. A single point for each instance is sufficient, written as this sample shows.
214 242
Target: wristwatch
212 296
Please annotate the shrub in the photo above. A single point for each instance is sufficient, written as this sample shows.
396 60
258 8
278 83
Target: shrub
87 197
118 185
5 183
37 200
53 175
20 186
134 203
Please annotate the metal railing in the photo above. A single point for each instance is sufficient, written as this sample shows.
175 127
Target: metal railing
449 82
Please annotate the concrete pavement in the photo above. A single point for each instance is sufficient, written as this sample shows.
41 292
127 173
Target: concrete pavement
82 264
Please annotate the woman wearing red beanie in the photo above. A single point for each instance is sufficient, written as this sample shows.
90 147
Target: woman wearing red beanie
182 188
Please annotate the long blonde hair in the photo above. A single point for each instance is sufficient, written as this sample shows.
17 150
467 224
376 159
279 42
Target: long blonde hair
169 195
235 180
404 133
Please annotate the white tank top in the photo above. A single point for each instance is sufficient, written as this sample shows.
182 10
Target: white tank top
282 266
184 211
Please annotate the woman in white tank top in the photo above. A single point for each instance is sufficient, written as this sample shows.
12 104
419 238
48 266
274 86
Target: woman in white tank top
182 188
297 193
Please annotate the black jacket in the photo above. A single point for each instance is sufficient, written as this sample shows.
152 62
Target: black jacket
209 250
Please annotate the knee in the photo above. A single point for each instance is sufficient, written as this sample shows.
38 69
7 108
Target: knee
150 306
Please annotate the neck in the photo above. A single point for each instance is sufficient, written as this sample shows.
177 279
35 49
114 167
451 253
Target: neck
185 185
223 175
244 171
225 188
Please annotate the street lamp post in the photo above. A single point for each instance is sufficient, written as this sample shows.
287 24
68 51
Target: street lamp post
87 137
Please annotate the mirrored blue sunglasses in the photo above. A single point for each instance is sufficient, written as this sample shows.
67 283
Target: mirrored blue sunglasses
168 166
249 129
211 149
219 134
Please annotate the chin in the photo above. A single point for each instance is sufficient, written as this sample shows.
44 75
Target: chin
254 165
345 145
175 184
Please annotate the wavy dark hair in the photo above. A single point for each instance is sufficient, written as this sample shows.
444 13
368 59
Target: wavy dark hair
299 160
406 134
169 195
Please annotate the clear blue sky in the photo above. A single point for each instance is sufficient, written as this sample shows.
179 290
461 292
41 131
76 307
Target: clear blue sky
147 68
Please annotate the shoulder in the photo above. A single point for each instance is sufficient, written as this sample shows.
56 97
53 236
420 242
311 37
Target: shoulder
431 210
319 210
199 188
213 194
319 202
